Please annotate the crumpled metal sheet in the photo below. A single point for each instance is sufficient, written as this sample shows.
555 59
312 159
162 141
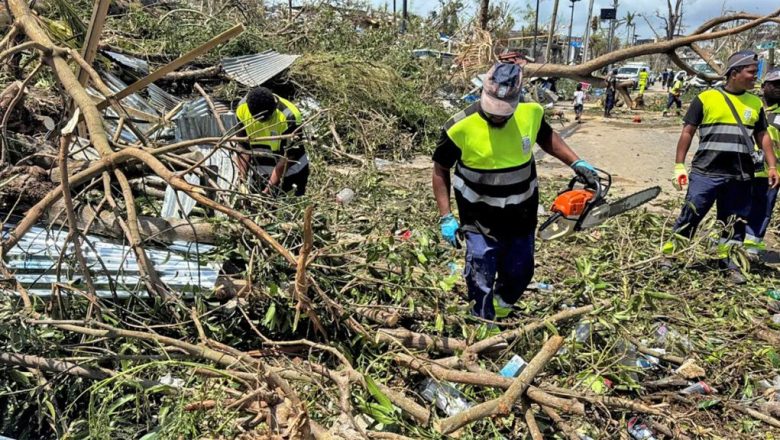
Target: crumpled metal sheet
194 121
254 70
113 264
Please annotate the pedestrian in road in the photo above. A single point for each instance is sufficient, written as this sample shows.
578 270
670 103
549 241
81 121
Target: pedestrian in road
610 98
764 196
642 82
579 103
490 146
729 121
664 78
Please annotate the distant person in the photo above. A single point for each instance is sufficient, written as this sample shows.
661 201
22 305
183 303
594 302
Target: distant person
670 80
609 101
664 78
674 95
723 166
579 103
642 81
764 196
284 165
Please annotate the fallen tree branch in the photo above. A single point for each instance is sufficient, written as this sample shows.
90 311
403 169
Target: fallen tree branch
503 404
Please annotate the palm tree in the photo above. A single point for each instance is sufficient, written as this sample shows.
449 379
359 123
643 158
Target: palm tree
630 26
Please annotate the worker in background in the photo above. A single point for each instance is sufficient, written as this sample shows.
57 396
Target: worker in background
579 103
276 163
670 80
611 99
674 95
764 196
490 145
723 166
664 78
642 82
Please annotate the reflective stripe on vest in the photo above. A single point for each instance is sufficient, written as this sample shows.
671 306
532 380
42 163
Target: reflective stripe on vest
496 164
285 116
719 130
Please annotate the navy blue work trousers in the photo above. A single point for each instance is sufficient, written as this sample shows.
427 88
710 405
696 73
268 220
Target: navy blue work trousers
502 267
764 199
732 198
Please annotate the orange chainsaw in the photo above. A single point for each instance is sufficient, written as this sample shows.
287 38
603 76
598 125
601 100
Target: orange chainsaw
582 207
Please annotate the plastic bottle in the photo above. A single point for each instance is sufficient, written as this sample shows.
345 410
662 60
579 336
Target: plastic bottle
345 196
699 387
774 294
446 397
582 332
545 287
513 367
639 430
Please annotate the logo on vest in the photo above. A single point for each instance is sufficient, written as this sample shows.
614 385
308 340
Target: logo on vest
747 114
526 145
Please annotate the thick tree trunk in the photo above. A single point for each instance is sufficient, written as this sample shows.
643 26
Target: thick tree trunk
484 10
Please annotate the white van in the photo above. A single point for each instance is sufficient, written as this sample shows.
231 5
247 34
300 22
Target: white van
631 71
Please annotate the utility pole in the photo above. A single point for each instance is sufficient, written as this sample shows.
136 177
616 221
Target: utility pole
552 32
536 29
587 33
571 24
404 16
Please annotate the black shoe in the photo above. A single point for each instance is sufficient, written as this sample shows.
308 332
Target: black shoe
735 277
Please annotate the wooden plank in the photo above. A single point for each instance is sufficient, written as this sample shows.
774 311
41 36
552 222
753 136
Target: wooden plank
175 64
92 39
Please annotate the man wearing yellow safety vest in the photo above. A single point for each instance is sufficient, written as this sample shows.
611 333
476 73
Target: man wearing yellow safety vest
278 164
764 197
490 145
723 166
674 95
642 81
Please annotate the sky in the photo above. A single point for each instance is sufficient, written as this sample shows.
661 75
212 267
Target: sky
695 12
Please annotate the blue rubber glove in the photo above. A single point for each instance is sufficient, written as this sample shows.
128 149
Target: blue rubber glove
586 173
449 227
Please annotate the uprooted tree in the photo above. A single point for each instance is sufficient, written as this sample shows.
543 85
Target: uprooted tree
335 320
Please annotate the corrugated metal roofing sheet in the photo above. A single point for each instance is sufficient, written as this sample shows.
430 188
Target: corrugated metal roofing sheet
134 63
161 100
254 70
34 262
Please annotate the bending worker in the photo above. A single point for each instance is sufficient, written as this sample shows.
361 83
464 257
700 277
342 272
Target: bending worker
279 164
729 120
764 197
490 145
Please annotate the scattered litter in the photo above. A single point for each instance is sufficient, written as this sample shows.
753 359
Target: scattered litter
774 294
512 368
382 164
699 387
446 397
345 196
171 381
638 429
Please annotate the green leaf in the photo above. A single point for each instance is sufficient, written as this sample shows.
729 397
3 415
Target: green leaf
120 402
270 315
439 325
422 258
704 404
378 395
